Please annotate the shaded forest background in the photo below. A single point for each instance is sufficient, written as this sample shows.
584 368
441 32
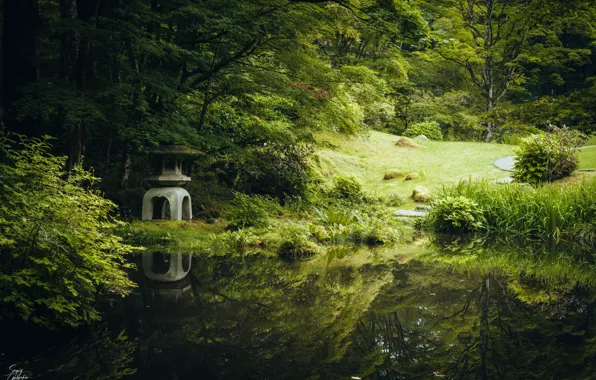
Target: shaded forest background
247 82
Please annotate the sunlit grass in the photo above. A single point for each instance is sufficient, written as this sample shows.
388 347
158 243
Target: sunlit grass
587 158
546 212
438 163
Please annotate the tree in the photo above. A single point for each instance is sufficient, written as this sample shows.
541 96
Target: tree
58 250
498 41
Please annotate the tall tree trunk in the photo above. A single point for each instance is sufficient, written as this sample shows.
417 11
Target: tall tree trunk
69 41
125 169
20 60
75 144
490 98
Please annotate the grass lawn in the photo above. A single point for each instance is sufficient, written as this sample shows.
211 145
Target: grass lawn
587 158
591 141
438 163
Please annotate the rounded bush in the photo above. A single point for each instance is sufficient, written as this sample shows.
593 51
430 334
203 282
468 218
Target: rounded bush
456 214
347 188
548 157
430 129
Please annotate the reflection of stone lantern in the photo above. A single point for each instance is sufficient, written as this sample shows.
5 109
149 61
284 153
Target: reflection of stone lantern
168 199
164 267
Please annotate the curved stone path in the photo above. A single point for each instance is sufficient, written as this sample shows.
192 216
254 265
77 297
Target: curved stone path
505 163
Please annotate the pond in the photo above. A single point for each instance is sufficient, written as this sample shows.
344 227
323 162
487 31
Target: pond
457 309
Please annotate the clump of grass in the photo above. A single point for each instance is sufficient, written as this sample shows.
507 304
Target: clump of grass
175 236
544 212
354 227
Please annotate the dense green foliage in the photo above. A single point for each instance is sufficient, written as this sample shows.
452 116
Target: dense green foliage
548 157
347 188
57 247
456 214
254 84
519 210
247 211
430 129
114 79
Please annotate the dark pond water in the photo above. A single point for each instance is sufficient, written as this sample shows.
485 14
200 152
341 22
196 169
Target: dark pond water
461 311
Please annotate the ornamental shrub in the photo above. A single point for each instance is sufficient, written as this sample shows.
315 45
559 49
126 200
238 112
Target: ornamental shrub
456 214
347 188
430 129
58 249
549 156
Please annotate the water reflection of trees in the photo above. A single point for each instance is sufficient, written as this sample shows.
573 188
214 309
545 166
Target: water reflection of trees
482 318
258 317
473 312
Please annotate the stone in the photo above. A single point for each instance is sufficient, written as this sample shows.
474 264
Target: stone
421 194
172 201
423 208
405 142
412 176
421 138
391 174
409 214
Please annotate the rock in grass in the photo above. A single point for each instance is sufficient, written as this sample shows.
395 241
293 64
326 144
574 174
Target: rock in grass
412 176
421 138
405 142
297 251
410 213
390 174
421 194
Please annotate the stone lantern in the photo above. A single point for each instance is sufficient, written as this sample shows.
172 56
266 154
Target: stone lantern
168 199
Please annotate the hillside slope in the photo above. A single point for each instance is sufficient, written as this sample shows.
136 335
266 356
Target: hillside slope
437 162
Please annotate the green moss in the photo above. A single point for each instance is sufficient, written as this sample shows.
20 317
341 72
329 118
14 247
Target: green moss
391 174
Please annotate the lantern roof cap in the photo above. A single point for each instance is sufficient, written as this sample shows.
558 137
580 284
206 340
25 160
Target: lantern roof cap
176 150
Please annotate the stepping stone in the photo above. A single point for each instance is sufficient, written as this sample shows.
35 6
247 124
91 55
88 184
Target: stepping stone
410 213
505 163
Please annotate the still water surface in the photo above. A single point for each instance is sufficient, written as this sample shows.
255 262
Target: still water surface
456 311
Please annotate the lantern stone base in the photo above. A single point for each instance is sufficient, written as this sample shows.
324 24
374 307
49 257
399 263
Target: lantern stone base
167 203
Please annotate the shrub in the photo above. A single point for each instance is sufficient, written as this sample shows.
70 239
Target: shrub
297 244
456 214
58 249
518 210
430 129
394 200
347 188
548 157
279 170
251 210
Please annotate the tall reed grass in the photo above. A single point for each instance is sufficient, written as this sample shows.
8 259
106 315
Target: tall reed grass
545 212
